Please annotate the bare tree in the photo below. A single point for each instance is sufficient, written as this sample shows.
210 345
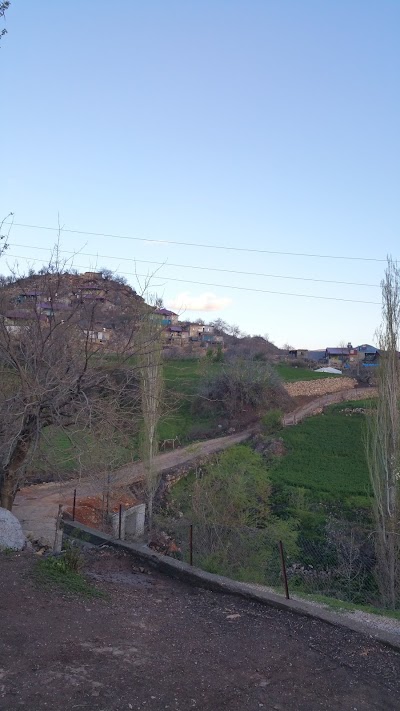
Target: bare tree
4 5
159 302
234 330
53 368
5 235
242 388
219 325
383 442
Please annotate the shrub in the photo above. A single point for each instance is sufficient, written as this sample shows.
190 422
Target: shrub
271 422
300 363
234 532
219 356
241 386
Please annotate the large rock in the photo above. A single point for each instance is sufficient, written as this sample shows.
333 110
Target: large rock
11 534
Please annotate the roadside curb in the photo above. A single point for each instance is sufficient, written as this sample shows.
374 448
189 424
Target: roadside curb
218 583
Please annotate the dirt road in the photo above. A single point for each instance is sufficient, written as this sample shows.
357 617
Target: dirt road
37 506
157 644
318 403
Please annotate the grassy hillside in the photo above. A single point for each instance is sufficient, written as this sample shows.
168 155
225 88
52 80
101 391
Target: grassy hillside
59 455
182 379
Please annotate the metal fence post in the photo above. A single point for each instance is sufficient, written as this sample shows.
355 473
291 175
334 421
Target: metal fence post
74 506
191 544
108 495
120 522
283 566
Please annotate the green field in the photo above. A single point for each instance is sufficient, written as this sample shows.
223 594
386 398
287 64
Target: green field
289 373
325 456
325 460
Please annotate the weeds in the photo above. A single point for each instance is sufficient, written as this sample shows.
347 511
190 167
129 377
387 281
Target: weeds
344 606
7 551
64 572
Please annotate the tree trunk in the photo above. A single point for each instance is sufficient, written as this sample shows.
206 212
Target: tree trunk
9 475
6 492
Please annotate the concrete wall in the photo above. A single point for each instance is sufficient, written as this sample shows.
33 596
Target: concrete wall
218 583
316 388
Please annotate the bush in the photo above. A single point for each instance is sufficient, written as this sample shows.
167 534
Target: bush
271 422
234 532
300 363
240 387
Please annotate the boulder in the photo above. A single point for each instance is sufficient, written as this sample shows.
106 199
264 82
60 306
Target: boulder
11 533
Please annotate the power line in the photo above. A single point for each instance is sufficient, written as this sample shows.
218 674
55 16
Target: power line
226 286
192 266
196 244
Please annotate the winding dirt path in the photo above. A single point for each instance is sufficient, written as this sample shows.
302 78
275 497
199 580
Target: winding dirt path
37 506
318 403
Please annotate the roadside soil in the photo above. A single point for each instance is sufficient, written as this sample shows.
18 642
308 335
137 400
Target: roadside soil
154 643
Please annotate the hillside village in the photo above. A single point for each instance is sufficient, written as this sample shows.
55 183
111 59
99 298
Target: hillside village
100 306
185 334
103 302
343 357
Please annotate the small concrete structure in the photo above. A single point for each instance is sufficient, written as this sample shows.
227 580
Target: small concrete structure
132 522
11 533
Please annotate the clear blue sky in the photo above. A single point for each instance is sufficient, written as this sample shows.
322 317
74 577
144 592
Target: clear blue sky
266 124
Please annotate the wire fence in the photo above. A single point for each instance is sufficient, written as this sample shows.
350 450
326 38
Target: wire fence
105 505
340 564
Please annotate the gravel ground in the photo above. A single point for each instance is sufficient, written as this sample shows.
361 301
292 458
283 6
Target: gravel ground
154 643
377 622
388 624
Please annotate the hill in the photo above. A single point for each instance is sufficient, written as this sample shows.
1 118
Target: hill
96 301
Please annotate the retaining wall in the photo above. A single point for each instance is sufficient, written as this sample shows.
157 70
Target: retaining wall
218 583
322 386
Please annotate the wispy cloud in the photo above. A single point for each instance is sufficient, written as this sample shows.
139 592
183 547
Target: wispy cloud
203 302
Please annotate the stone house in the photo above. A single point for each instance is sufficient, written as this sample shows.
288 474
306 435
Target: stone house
341 357
167 317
